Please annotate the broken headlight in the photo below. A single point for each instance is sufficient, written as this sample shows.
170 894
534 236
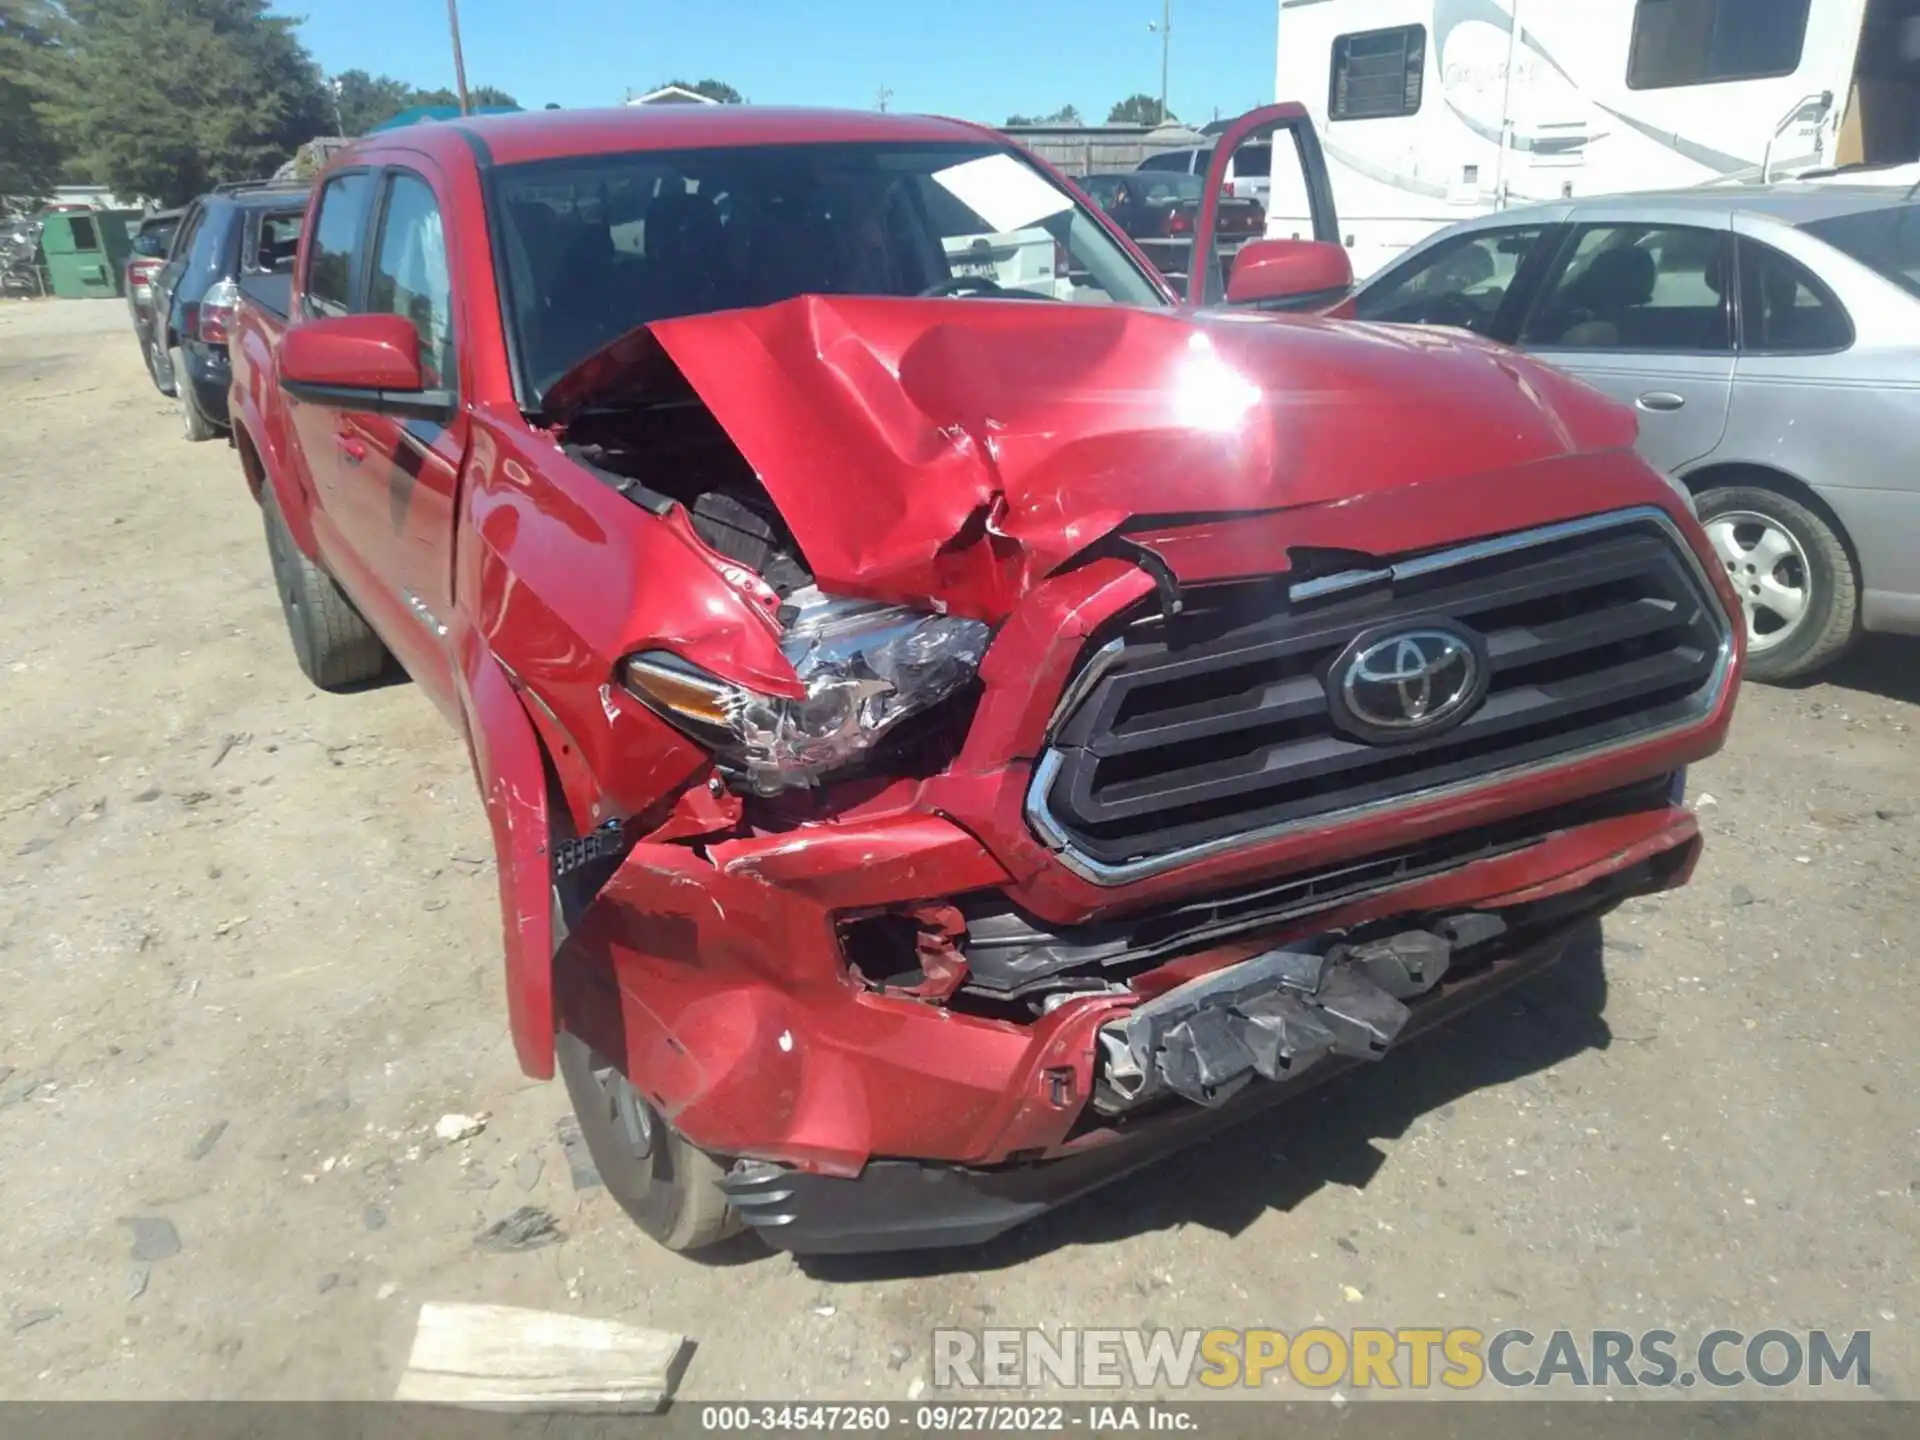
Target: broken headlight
866 668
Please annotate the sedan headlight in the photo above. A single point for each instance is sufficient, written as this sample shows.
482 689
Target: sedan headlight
866 668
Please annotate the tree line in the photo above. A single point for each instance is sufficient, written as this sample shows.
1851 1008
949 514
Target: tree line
1134 110
167 98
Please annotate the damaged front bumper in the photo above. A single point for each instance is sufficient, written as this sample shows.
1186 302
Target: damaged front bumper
1277 1015
1308 1018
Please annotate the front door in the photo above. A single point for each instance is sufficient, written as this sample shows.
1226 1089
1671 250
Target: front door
1643 310
401 476
1260 132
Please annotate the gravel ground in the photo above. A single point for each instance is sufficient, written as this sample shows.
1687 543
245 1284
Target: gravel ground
249 957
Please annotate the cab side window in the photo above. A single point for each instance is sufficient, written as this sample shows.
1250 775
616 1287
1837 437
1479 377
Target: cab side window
337 230
1461 283
410 273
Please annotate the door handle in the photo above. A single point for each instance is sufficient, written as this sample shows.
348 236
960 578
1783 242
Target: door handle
1660 400
353 451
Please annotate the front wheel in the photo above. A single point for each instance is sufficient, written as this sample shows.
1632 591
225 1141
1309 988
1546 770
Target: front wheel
1797 589
335 647
667 1185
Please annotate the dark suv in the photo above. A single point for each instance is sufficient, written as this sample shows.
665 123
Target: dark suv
235 231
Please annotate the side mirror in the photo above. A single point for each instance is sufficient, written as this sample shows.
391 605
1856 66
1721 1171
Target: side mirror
1264 127
361 362
1290 275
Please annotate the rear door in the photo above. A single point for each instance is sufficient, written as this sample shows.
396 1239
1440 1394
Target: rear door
1639 303
168 278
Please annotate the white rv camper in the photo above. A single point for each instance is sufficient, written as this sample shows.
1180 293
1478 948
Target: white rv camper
1435 110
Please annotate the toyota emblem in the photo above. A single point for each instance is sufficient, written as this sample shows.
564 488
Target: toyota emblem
1407 684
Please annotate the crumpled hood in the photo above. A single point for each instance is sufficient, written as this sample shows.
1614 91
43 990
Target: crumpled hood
954 452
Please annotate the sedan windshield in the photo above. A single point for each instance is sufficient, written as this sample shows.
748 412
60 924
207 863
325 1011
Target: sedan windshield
1888 240
596 245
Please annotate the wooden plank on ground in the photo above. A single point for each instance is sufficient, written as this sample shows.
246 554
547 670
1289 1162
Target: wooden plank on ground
505 1357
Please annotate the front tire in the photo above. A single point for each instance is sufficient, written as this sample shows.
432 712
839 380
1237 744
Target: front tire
193 421
670 1187
1798 591
335 647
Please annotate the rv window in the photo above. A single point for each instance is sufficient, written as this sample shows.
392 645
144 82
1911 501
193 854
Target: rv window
1377 74
1699 42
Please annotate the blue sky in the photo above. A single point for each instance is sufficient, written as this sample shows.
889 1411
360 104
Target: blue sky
980 60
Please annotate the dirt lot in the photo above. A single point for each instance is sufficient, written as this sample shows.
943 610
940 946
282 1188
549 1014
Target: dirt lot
249 957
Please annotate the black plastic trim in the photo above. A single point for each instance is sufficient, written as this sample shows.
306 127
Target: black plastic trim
1011 953
436 405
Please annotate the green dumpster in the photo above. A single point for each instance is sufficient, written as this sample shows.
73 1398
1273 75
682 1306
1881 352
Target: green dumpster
86 251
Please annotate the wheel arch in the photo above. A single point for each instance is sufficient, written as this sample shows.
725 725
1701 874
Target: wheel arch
515 777
294 506
250 465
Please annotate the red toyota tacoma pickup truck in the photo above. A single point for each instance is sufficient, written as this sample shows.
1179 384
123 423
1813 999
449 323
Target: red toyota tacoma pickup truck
958 720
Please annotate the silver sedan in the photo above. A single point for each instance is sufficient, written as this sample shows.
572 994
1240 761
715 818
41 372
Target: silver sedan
1769 340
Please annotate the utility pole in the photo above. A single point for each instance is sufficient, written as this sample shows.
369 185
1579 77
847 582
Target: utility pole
459 65
882 98
1165 27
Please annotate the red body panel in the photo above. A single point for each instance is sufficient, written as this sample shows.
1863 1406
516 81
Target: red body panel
964 454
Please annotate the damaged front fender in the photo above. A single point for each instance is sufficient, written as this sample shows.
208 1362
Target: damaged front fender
513 783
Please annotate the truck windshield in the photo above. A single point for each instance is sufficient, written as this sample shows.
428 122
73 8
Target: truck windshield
596 245
1888 240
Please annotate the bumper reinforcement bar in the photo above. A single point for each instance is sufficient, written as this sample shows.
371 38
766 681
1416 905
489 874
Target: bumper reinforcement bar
1277 1014
913 1204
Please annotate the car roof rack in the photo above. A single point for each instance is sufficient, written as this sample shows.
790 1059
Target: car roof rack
241 187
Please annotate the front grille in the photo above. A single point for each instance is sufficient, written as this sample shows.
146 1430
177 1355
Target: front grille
1212 727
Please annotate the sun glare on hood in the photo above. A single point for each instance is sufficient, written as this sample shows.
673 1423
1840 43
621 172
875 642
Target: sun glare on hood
1208 393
